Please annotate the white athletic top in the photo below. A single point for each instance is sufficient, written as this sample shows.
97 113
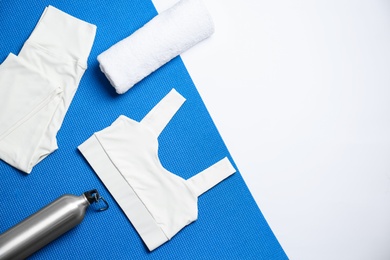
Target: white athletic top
125 157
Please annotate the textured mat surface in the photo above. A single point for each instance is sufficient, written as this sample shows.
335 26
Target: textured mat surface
229 225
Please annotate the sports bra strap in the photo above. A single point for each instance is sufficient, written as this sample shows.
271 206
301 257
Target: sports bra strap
162 113
211 176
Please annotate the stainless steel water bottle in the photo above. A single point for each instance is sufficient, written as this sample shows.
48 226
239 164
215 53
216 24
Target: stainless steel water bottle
47 224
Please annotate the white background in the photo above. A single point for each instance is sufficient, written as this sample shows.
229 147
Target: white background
300 92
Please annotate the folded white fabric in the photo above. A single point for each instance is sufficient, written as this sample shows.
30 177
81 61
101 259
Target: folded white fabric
164 37
38 85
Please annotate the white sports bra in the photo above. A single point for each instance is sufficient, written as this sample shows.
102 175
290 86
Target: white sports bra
125 157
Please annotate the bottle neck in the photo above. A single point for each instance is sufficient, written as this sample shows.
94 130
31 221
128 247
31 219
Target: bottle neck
84 200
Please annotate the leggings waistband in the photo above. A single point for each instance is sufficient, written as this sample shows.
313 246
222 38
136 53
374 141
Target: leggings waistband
64 35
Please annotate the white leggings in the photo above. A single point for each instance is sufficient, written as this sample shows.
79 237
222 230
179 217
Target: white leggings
38 85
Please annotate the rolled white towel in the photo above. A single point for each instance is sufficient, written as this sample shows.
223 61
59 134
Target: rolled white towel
161 39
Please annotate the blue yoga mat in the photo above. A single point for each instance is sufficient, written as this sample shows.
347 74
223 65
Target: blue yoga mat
230 224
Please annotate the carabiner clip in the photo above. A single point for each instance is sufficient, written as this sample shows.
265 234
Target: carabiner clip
93 196
105 203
